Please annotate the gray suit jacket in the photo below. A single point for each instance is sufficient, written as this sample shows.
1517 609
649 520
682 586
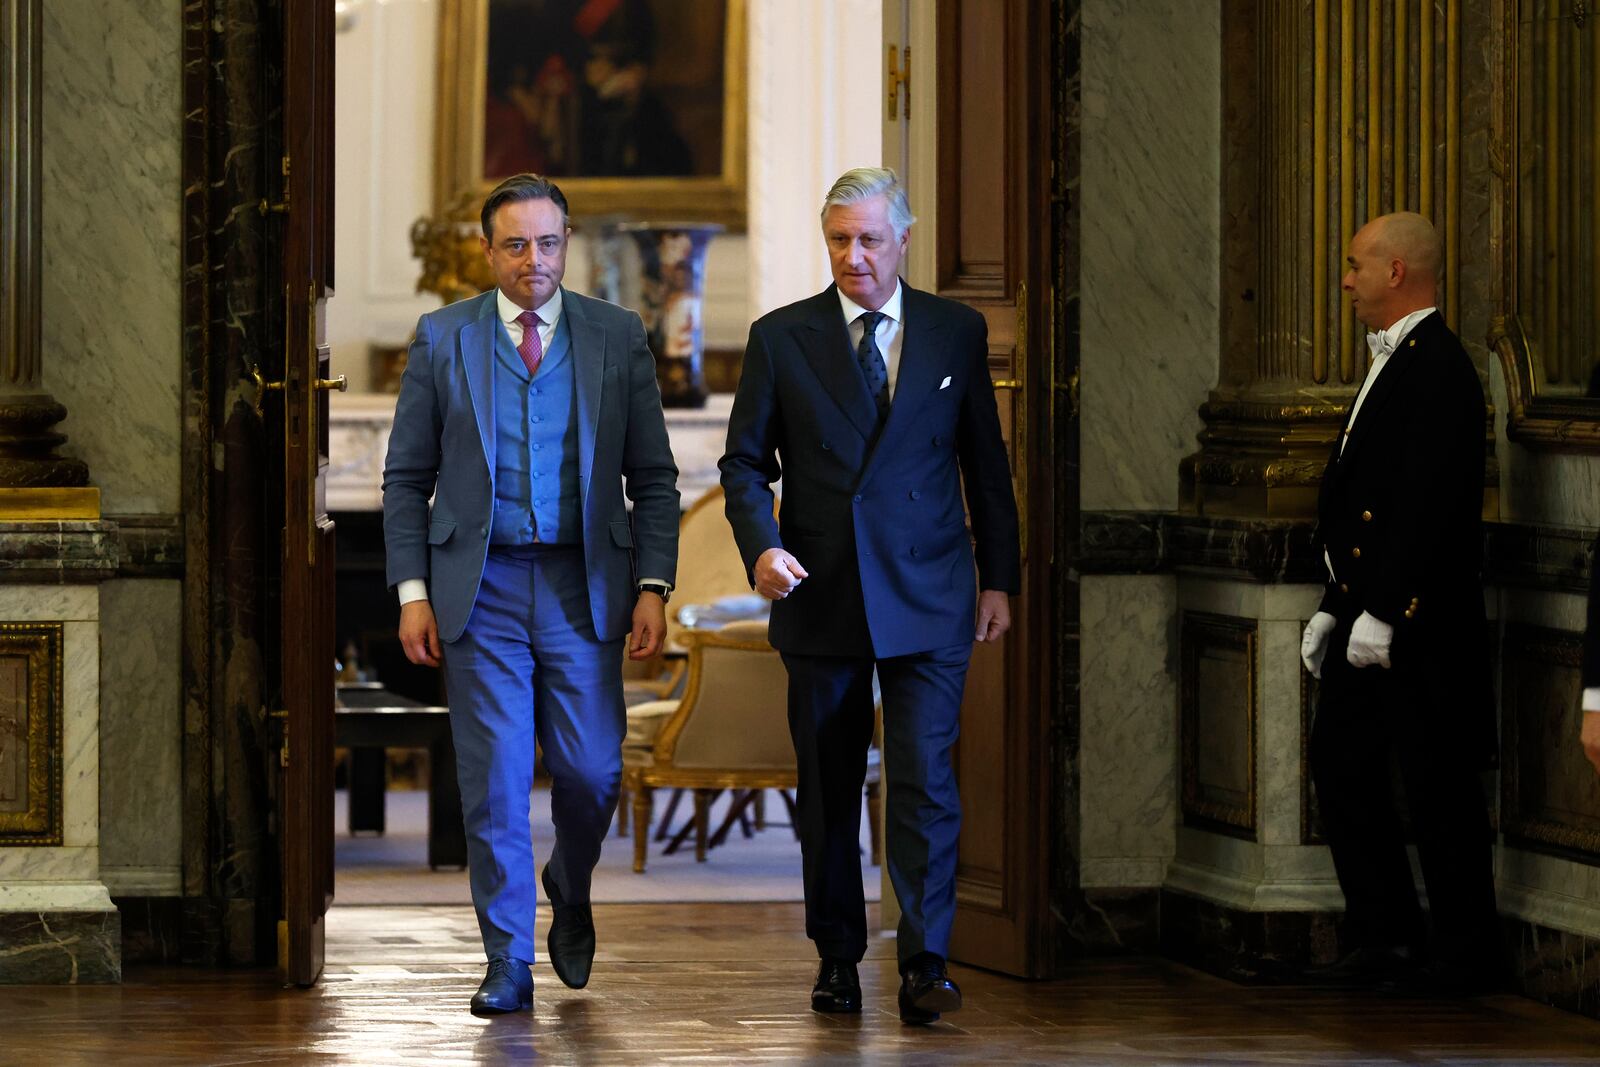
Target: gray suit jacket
443 446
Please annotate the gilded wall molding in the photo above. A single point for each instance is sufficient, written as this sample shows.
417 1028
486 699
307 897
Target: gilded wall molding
31 733
1217 706
1548 798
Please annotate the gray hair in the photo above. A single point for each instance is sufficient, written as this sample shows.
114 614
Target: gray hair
864 183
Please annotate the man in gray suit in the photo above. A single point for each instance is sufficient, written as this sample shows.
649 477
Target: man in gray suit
525 413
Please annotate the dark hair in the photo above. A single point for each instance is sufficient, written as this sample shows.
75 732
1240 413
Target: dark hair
521 187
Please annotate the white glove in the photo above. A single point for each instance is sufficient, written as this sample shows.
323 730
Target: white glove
1314 642
1369 642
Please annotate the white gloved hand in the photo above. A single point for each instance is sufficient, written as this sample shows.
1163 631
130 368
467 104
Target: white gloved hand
1369 642
1314 642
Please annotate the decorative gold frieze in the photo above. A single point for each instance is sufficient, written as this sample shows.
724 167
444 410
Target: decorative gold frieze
30 733
23 505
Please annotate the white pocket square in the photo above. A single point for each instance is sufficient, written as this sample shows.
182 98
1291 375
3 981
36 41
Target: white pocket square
946 383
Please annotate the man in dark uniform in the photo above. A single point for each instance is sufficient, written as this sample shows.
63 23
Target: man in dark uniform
1400 640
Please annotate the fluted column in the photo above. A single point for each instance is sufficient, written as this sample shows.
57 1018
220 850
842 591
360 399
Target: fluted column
28 414
1335 111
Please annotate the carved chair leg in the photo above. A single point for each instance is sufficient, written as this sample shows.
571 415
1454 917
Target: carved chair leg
875 823
702 817
622 812
794 818
667 817
641 826
761 809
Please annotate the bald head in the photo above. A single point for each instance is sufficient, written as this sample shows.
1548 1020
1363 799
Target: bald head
1394 265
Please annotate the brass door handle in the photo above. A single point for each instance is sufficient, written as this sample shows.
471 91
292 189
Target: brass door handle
329 385
262 388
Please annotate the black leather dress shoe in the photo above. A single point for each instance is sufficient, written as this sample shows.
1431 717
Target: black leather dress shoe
838 988
1445 981
926 991
506 988
1369 965
571 943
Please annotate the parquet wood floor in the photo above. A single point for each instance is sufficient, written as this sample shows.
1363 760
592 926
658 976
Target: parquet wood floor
688 984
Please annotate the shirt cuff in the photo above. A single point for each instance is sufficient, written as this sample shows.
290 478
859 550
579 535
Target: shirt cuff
412 589
1591 699
642 582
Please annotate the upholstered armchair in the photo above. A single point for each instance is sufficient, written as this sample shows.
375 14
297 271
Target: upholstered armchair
730 731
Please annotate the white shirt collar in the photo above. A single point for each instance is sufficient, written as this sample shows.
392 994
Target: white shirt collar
1383 342
548 312
853 310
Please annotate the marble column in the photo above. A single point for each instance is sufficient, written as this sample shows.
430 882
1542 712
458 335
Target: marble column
29 461
57 921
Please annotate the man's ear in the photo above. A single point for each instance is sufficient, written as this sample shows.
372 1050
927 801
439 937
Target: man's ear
1397 273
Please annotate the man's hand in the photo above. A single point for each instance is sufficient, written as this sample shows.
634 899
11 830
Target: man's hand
419 633
1591 738
777 574
649 626
994 614
1369 642
1314 642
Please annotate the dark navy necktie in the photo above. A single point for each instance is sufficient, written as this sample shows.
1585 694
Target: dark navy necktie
871 361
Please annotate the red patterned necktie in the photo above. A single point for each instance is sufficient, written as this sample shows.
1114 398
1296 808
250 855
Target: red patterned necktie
531 349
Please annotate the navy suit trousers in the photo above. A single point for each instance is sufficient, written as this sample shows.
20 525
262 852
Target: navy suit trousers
831 722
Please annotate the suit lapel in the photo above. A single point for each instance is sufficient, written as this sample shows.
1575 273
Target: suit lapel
477 341
826 344
921 368
588 355
1400 364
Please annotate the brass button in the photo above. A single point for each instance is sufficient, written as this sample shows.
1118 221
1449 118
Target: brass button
1413 343
1356 552
1366 516
1343 588
1411 613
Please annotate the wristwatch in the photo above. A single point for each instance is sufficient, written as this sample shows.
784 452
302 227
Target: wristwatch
660 589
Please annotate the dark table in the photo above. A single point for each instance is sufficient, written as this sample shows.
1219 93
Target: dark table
369 719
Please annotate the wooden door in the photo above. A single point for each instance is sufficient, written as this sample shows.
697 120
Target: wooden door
305 263
991 223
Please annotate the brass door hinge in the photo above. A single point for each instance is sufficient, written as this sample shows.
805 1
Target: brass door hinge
894 77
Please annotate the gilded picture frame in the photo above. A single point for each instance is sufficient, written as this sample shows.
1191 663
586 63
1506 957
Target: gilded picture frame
461 118
31 734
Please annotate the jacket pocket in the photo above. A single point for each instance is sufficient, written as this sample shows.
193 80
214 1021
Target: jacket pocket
621 535
439 531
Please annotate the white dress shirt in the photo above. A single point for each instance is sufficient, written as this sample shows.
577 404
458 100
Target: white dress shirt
549 314
891 329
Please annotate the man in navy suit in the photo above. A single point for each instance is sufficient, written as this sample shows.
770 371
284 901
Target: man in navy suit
522 414
872 401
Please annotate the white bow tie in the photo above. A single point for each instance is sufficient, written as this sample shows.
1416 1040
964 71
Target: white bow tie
1380 344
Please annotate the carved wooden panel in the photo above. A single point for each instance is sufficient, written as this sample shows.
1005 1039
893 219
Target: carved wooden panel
1550 797
30 733
1217 722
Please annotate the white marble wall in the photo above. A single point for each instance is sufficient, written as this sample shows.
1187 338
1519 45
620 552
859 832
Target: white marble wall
64 877
1128 762
1151 182
141 723
111 222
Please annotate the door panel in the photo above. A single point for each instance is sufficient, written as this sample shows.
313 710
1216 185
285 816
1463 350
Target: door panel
307 622
990 227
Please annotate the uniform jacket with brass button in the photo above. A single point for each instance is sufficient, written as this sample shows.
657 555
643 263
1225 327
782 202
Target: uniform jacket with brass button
873 512
1400 518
